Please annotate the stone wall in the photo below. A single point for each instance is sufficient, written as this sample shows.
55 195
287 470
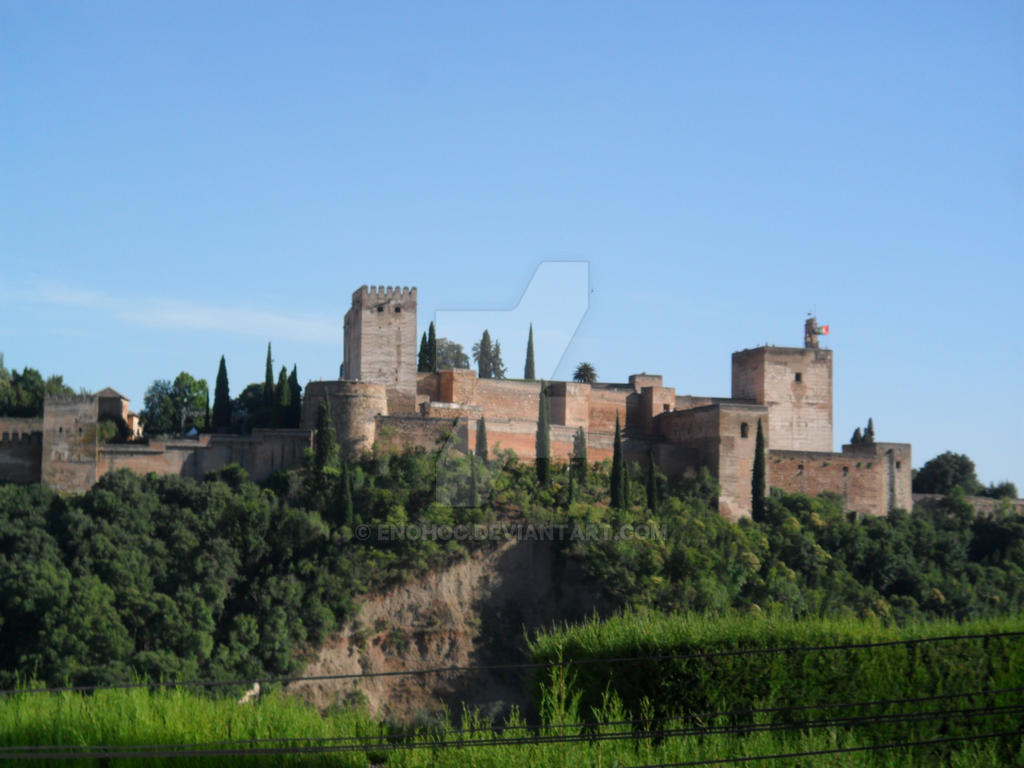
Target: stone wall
260 454
21 450
796 385
380 340
69 442
870 481
355 406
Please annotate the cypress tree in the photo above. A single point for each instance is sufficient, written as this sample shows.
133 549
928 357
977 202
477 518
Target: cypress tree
857 437
348 510
282 400
295 416
869 433
421 360
757 484
268 391
474 493
652 483
543 439
482 354
579 452
571 494
627 491
528 372
432 348
222 400
481 439
616 490
325 449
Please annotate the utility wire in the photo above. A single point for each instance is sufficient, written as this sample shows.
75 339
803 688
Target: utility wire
514 665
216 749
837 751
635 723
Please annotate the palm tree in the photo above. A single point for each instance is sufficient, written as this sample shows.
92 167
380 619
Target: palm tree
585 374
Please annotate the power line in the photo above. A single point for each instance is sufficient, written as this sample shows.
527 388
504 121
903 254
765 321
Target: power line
320 747
514 665
636 723
837 751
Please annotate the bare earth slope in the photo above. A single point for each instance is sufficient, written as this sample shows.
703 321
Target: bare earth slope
473 613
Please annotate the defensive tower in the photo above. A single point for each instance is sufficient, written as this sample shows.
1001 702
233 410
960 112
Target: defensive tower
380 342
796 385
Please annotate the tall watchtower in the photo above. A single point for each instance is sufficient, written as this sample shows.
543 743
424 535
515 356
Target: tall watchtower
796 385
380 342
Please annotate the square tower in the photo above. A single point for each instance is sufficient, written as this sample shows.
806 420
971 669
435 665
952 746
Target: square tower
380 341
796 385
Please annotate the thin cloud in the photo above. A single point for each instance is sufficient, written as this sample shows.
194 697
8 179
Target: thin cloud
188 316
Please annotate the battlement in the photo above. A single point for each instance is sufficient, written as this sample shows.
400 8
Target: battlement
21 438
373 294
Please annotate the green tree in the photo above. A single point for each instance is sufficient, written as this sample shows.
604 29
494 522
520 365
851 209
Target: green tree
652 483
585 374
421 360
175 407
857 438
325 451
482 355
222 400
579 452
295 388
481 439
282 400
946 472
450 355
268 391
758 482
432 348
543 439
474 483
528 369
348 509
869 431
617 479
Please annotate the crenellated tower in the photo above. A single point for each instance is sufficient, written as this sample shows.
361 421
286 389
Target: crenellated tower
380 342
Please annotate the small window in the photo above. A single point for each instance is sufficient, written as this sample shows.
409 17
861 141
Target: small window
397 310
800 467
799 377
846 471
60 430
380 307
667 408
744 429
898 465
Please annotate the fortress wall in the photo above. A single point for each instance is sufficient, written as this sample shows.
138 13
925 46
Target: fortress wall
69 442
736 456
396 433
896 459
801 409
607 401
355 406
21 450
570 403
428 386
860 481
653 401
260 454
178 457
509 399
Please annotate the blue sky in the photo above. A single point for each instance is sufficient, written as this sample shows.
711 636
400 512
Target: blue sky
180 181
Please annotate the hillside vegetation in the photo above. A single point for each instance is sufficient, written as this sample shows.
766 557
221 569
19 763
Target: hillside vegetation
170 578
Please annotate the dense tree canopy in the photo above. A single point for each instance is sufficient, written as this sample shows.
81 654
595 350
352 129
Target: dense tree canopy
450 355
21 394
946 472
173 408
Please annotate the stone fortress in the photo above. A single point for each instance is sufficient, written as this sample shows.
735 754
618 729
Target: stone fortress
384 403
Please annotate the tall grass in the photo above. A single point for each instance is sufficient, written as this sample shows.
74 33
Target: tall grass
606 715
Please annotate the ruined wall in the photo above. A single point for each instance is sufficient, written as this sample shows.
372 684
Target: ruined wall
868 480
380 341
796 385
21 450
355 406
69 442
396 433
